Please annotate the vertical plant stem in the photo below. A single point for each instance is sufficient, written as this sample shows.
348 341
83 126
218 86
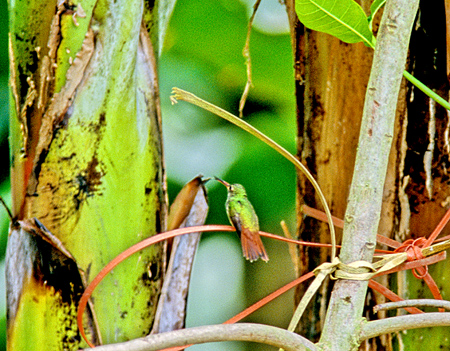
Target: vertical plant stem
366 192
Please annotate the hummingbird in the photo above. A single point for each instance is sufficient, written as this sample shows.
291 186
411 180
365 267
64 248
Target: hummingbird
244 219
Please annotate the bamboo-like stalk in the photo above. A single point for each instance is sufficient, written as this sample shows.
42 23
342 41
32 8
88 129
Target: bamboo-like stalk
366 193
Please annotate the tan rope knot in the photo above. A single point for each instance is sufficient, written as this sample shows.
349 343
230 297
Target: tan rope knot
327 267
358 270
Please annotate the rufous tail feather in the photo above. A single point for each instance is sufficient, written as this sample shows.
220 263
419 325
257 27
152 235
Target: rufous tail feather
252 246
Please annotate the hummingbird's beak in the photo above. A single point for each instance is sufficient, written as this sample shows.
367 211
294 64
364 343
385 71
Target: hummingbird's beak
223 182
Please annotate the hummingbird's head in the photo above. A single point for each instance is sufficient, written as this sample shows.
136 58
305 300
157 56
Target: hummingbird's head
237 189
233 189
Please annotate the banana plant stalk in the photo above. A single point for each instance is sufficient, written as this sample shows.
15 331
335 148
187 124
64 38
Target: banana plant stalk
87 164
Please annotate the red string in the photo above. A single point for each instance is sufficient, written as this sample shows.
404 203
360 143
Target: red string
413 249
410 246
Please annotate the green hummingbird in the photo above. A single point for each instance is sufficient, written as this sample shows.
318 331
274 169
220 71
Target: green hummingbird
244 219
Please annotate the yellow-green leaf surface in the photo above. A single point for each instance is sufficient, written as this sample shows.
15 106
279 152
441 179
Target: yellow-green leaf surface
26 42
74 25
44 286
29 25
344 19
91 170
157 25
43 316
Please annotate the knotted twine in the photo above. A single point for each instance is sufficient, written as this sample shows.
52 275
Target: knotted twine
358 270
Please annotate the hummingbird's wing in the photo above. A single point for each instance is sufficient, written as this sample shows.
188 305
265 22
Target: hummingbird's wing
252 246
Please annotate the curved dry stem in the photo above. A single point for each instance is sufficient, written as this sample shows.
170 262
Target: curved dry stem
213 333
248 60
179 94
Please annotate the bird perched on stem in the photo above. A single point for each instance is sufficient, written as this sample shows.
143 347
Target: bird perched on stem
244 219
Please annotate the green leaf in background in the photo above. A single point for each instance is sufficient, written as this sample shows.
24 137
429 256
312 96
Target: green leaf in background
374 8
344 19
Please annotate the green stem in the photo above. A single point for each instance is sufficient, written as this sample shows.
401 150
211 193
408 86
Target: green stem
179 94
441 101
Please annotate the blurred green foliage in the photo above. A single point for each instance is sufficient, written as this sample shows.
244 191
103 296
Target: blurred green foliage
203 54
